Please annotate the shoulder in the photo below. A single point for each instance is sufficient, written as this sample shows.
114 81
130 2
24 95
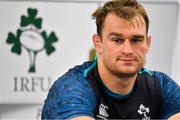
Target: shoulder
70 95
72 79
163 79
74 74
170 94
166 82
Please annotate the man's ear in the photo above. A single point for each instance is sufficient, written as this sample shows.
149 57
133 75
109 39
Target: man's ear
148 42
97 43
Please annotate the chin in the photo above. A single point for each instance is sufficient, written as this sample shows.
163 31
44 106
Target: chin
126 74
129 71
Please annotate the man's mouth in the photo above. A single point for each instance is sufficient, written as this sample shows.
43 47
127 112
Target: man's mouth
127 61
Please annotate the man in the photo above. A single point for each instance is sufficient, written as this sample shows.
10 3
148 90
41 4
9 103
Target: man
115 85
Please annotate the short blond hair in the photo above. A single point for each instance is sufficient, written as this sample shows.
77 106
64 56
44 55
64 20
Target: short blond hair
126 9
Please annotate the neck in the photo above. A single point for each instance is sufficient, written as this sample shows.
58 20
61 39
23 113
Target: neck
117 84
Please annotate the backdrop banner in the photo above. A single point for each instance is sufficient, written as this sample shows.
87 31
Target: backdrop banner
40 40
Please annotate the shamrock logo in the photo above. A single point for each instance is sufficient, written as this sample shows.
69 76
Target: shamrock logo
31 38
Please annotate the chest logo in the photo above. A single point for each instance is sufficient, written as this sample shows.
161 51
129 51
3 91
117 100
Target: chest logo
143 111
103 112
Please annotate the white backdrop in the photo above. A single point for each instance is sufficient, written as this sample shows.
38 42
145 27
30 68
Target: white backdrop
72 23
73 26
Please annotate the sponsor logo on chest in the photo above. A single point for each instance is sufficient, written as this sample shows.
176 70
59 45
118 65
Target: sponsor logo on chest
103 112
142 111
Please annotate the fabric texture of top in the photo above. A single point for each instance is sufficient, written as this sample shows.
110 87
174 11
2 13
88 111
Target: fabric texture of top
76 94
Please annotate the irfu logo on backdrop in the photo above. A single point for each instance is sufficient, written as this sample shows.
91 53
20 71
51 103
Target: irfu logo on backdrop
32 38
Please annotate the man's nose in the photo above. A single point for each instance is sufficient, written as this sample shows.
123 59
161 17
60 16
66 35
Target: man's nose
126 47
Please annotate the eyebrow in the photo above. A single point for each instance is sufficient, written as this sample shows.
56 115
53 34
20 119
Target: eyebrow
121 35
115 34
138 36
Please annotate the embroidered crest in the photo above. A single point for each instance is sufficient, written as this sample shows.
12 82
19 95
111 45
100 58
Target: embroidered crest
143 111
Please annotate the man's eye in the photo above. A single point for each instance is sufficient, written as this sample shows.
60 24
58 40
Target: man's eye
118 40
136 40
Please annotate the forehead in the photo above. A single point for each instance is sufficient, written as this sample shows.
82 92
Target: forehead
114 23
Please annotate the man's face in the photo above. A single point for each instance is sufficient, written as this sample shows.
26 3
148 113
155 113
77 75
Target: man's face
123 45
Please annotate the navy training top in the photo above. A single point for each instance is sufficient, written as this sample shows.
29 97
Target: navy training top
81 92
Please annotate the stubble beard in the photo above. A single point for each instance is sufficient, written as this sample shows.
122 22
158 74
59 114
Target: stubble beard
121 73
